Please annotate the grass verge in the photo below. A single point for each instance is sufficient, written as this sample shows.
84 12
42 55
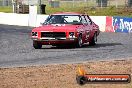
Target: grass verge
92 11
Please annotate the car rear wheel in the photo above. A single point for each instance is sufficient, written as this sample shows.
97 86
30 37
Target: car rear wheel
79 42
93 40
36 45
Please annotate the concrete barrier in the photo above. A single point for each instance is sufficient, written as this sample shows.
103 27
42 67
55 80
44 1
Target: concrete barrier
100 21
122 24
25 20
118 24
14 19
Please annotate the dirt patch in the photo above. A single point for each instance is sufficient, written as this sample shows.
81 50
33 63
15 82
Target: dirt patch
62 76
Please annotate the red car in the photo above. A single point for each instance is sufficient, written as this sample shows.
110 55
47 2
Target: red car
65 28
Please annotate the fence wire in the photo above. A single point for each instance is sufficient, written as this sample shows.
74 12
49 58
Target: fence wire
77 3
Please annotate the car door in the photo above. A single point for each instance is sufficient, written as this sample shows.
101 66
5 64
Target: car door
89 27
84 27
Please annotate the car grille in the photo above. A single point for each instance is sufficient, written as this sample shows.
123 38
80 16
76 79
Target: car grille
53 34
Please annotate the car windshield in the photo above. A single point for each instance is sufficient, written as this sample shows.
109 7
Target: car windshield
63 19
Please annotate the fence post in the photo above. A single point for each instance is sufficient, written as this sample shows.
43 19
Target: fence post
13 7
40 6
73 3
101 4
3 3
116 3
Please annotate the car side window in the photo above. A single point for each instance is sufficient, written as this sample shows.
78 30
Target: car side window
83 20
88 20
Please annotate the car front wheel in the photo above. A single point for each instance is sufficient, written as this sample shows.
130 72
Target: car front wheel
79 42
36 45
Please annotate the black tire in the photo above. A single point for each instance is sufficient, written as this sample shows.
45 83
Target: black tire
81 80
79 42
36 45
94 40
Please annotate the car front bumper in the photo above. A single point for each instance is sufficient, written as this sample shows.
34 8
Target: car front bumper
55 41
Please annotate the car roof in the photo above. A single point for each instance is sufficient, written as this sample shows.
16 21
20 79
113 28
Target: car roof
67 13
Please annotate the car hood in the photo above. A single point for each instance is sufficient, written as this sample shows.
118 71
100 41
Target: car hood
56 28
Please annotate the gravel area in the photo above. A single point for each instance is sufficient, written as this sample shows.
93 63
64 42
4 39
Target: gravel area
63 76
16 49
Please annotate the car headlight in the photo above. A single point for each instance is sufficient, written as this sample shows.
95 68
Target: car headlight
71 35
34 34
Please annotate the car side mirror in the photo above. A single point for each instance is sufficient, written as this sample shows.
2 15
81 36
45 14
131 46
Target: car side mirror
91 22
85 23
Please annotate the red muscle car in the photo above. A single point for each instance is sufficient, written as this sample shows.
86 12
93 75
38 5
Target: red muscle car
65 28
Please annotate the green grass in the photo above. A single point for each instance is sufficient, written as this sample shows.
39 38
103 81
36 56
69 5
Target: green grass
6 9
109 11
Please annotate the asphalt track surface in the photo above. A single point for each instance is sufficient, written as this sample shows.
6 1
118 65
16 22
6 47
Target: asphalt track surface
16 49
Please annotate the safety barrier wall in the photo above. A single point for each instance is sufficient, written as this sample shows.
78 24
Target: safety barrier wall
100 21
106 23
21 19
26 20
118 24
122 24
14 19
